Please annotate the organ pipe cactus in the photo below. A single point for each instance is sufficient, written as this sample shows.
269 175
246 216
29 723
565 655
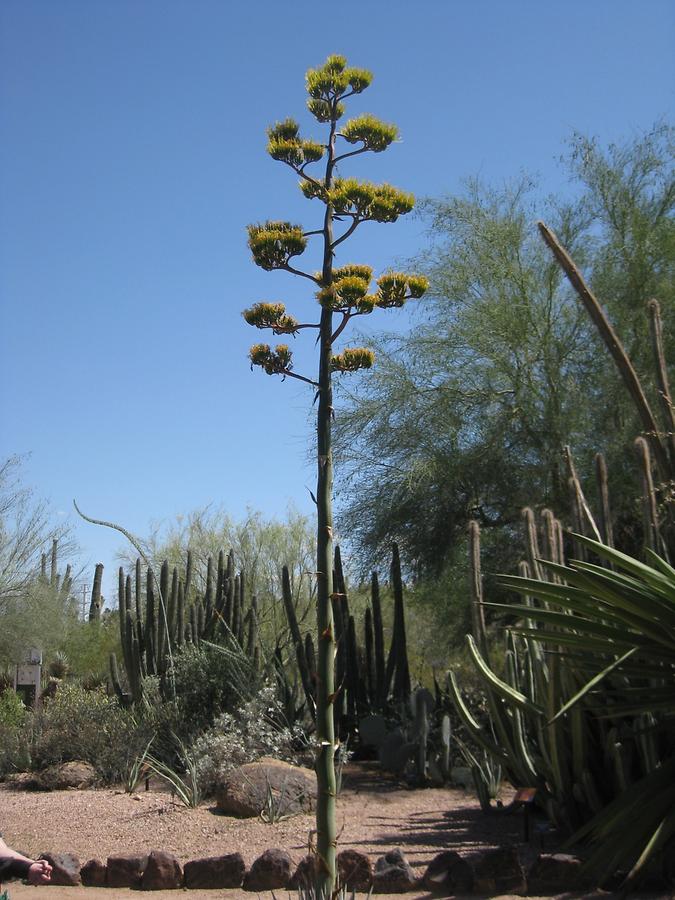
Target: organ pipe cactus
149 637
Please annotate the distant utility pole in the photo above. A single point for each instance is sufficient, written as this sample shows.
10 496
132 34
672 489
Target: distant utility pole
85 588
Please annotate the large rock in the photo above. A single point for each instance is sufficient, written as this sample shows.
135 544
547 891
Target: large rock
65 869
215 872
162 872
394 752
448 874
556 873
94 873
304 875
126 870
65 776
246 792
355 870
499 872
269 872
393 874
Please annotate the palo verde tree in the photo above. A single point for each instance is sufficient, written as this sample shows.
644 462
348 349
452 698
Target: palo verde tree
343 293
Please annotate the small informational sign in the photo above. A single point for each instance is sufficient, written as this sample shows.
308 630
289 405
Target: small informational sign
29 674
27 682
34 656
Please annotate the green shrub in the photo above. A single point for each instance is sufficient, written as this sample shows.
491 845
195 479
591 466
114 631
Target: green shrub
12 710
14 752
87 725
210 680
256 729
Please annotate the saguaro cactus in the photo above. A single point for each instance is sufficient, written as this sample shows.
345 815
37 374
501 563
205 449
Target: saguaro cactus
343 292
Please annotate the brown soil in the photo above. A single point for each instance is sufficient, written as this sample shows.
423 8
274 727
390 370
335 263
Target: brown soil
375 814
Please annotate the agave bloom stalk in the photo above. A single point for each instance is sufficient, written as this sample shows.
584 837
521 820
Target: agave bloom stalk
343 292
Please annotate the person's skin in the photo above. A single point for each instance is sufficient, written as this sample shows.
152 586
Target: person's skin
39 872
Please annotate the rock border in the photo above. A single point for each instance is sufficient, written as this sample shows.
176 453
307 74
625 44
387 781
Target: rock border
497 871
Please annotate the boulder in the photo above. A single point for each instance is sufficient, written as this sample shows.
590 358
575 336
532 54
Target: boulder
23 781
372 730
394 752
246 791
555 873
65 868
94 873
65 776
499 872
461 775
355 870
269 872
447 874
303 877
212 872
393 874
126 870
162 872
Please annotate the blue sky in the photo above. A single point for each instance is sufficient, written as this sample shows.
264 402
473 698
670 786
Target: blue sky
133 156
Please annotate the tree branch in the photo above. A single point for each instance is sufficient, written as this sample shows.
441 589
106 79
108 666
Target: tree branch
346 316
289 374
352 228
293 271
351 153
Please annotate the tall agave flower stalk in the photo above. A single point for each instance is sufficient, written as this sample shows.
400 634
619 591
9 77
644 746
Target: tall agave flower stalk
343 293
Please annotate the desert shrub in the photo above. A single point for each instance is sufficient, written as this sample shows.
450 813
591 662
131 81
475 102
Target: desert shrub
14 753
254 730
210 680
87 725
12 709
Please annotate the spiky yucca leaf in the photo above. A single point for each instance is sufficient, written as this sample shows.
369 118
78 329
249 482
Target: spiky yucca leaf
618 622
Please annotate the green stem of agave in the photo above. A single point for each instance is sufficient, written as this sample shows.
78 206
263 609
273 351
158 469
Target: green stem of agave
325 729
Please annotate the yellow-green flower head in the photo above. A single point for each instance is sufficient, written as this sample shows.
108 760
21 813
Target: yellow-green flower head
322 110
353 359
274 243
378 202
286 145
313 190
417 285
374 134
367 304
331 81
271 315
288 130
274 362
355 270
394 288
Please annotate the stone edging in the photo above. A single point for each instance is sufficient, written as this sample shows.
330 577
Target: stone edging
499 871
